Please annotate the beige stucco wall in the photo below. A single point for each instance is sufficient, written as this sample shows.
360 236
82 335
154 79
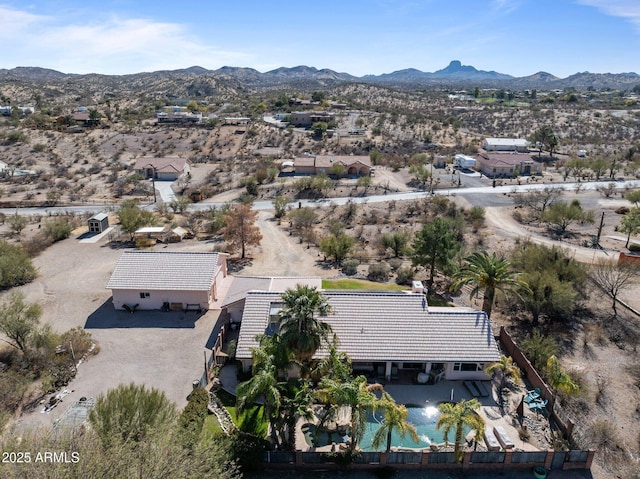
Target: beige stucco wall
157 298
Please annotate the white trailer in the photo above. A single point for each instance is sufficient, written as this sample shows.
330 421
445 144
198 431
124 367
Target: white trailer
464 162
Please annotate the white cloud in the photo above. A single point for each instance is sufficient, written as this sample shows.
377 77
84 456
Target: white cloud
108 45
628 9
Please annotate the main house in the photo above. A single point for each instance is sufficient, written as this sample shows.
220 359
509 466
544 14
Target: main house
167 280
313 165
169 168
385 333
305 119
507 165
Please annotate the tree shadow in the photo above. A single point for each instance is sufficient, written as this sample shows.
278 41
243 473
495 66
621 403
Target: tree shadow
107 317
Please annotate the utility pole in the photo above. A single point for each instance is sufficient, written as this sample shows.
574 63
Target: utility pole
153 184
599 231
73 356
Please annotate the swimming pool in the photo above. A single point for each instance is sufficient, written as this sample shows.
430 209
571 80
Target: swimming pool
423 418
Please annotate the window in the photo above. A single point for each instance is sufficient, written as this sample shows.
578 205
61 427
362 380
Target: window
468 366
144 295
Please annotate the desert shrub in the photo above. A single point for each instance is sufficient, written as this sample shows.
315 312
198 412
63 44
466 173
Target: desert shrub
350 266
634 247
15 266
604 438
80 339
404 275
57 229
379 272
395 263
36 244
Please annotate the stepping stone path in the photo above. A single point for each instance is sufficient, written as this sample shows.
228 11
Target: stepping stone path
223 416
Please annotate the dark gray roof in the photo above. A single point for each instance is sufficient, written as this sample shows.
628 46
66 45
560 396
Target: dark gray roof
167 270
387 326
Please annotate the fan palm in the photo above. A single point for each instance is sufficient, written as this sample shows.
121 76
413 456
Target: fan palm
395 419
263 384
506 368
457 416
301 331
559 379
357 395
489 273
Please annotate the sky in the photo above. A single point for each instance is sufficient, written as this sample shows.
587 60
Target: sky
360 37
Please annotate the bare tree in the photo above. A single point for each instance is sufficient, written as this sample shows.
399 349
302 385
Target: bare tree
240 230
614 277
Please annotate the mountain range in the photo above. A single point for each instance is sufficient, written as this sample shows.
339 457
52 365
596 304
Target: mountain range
455 74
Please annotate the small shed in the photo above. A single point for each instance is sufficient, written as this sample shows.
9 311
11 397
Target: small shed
98 223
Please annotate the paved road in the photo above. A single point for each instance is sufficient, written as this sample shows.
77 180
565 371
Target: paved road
477 193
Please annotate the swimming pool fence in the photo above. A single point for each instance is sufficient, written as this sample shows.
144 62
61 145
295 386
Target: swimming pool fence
493 460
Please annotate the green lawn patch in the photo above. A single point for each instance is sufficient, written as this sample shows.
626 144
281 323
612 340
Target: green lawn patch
351 283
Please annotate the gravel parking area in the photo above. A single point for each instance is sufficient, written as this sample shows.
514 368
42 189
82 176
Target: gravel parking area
164 350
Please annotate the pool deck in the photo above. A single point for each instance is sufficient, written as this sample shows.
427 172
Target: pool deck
417 395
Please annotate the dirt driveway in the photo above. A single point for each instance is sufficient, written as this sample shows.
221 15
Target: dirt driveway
282 255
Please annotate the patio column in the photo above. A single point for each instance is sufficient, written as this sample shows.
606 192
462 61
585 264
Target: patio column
387 371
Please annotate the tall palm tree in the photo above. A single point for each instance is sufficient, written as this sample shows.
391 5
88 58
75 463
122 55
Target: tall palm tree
395 419
457 416
263 384
296 402
300 329
506 368
357 395
489 273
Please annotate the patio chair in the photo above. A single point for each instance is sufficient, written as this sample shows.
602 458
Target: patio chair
532 396
539 405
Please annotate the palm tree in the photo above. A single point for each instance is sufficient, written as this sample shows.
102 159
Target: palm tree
506 368
301 331
457 416
335 365
491 273
263 383
296 402
357 395
395 419
559 379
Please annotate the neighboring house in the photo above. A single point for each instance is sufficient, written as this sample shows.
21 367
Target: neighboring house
98 223
505 144
385 333
234 300
506 165
167 280
169 168
313 165
305 119
3 166
236 120
179 117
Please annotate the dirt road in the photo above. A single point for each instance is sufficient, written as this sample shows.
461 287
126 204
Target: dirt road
282 255
501 221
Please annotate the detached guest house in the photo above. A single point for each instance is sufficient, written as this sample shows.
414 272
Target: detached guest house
167 280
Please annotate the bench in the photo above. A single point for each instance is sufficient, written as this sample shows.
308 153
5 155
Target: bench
503 438
491 441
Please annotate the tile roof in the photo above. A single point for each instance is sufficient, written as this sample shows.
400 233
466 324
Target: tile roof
185 271
241 285
387 326
505 159
161 164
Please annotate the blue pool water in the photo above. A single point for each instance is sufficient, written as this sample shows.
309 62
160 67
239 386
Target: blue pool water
423 418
